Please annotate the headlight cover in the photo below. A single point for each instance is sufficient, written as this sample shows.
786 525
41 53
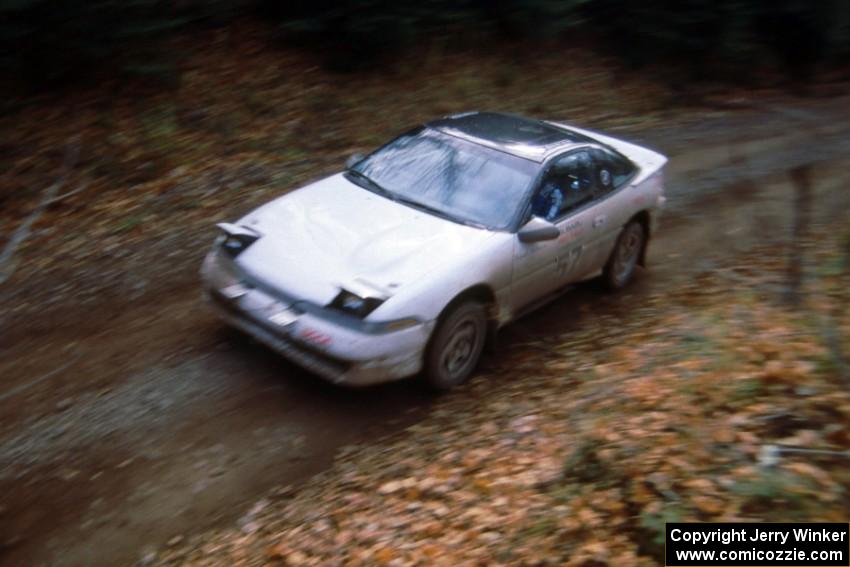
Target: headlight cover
236 238
353 304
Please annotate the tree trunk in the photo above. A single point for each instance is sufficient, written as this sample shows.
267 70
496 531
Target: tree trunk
801 179
839 310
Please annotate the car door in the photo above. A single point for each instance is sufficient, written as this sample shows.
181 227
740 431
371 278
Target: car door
612 174
565 197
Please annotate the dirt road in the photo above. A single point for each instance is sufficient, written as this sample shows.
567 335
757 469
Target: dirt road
137 423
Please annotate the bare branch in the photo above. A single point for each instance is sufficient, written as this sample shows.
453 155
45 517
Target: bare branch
64 196
7 261
770 455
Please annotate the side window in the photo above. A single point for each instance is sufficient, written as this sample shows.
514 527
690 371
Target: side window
611 170
567 185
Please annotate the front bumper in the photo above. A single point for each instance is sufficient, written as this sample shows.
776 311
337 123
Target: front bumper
339 354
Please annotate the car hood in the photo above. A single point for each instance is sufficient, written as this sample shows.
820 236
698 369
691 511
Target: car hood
333 234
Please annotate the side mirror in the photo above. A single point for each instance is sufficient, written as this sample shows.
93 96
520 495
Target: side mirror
538 230
353 160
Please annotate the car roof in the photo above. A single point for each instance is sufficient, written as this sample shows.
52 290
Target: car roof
523 137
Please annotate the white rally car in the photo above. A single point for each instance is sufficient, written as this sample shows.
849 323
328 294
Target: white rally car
406 262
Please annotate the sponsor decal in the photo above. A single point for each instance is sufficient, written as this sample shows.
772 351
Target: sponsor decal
570 230
284 317
234 291
315 337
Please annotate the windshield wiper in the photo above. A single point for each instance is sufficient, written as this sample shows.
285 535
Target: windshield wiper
368 183
438 212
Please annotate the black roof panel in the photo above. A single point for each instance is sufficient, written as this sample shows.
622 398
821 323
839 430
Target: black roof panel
507 130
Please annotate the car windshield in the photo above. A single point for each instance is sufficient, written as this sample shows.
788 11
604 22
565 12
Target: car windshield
449 177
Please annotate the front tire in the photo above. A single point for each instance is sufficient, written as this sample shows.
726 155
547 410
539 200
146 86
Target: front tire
456 346
621 266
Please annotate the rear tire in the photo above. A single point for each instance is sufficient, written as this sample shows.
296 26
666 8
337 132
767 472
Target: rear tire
456 346
621 266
